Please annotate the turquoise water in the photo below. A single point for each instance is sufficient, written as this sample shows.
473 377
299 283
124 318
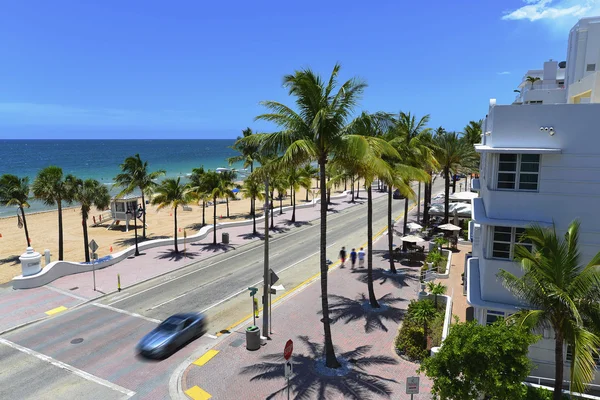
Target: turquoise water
100 159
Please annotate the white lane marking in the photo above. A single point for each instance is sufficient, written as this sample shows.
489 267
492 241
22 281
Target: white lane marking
254 284
57 290
76 371
131 314
211 336
337 216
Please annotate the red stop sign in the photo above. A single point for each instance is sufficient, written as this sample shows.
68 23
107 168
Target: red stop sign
287 351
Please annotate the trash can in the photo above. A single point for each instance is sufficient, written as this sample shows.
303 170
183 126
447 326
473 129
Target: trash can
253 337
225 238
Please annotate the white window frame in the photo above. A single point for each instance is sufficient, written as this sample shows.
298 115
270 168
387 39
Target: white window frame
514 240
497 314
517 173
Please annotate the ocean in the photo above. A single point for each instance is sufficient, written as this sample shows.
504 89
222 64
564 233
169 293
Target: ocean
100 159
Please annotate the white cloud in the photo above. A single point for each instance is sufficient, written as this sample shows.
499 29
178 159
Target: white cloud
23 113
504 73
554 10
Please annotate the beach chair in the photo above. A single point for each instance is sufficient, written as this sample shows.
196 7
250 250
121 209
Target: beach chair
187 208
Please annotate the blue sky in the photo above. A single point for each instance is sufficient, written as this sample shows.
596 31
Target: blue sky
190 69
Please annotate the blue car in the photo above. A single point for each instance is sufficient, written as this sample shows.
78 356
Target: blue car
171 334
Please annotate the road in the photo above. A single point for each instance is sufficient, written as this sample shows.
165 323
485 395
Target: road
88 352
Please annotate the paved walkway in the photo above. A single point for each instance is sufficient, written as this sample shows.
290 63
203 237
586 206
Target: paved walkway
454 282
364 341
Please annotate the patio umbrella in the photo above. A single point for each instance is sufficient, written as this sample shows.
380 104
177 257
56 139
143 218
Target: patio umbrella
450 227
235 190
412 239
413 226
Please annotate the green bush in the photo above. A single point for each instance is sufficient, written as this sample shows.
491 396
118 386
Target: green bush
532 393
409 341
437 326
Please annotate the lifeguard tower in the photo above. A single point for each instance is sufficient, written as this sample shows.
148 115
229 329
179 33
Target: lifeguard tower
119 207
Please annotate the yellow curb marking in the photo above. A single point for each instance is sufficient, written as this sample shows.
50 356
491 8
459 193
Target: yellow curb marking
318 274
205 357
56 310
197 393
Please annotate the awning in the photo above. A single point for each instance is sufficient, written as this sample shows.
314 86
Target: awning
482 148
462 209
480 217
463 196
474 290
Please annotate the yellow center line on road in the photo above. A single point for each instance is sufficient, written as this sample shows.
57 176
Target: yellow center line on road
197 393
309 280
56 310
206 357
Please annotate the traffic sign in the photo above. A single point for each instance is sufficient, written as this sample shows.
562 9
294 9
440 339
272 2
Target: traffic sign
412 385
93 245
287 351
274 277
289 369
253 291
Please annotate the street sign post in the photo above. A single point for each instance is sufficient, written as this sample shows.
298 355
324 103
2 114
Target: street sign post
253 291
272 278
287 353
412 385
288 349
93 247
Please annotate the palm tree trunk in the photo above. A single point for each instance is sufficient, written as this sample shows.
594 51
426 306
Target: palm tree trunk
227 202
345 184
271 207
330 359
390 231
280 204
25 225
446 194
558 360
307 195
60 231
405 227
352 188
203 212
293 205
453 184
372 298
175 236
254 224
358 188
143 216
426 204
86 248
215 220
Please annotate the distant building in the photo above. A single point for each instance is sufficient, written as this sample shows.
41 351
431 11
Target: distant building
540 163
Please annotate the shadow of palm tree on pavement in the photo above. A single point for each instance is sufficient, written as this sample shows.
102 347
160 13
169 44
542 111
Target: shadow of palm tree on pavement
348 310
309 380
297 224
250 236
213 247
173 256
399 280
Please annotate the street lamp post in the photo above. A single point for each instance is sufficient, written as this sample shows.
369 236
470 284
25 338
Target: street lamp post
134 214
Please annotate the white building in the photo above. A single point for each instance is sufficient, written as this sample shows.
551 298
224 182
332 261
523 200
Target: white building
540 163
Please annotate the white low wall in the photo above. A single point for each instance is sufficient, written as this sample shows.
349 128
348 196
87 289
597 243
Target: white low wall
447 321
58 269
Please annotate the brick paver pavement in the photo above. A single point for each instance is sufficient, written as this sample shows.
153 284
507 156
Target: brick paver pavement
363 337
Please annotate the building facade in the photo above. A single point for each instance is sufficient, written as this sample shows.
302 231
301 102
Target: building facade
540 163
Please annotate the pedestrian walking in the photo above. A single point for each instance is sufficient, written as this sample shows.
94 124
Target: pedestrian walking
343 256
361 258
353 256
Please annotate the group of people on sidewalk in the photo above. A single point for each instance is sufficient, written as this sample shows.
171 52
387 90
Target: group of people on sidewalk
353 256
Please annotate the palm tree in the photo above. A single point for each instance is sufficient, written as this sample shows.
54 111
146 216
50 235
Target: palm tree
309 173
315 133
172 193
87 193
228 182
253 189
280 184
451 153
14 191
423 312
295 179
563 295
472 132
217 189
135 175
436 289
198 189
49 187
248 154
532 80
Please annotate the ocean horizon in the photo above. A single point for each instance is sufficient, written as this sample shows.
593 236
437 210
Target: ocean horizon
100 158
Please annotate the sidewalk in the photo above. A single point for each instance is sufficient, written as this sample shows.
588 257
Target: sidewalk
363 338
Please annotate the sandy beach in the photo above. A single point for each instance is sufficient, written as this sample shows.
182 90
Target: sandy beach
43 230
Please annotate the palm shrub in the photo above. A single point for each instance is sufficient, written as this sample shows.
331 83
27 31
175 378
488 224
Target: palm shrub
436 289
172 193
14 191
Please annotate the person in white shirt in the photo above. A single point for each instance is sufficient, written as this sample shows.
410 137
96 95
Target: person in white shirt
361 258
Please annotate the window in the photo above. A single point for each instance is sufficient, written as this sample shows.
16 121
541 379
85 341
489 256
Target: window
518 172
569 356
534 102
120 207
590 68
504 241
492 316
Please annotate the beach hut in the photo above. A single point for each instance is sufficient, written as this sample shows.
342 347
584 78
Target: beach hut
119 207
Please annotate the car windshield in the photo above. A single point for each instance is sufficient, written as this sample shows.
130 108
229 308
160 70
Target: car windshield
171 325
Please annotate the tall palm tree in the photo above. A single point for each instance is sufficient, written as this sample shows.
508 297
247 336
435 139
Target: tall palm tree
423 312
228 182
87 193
135 175
532 80
472 132
316 132
253 188
49 187
248 154
309 173
199 189
563 294
451 153
218 189
172 193
14 191
295 179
